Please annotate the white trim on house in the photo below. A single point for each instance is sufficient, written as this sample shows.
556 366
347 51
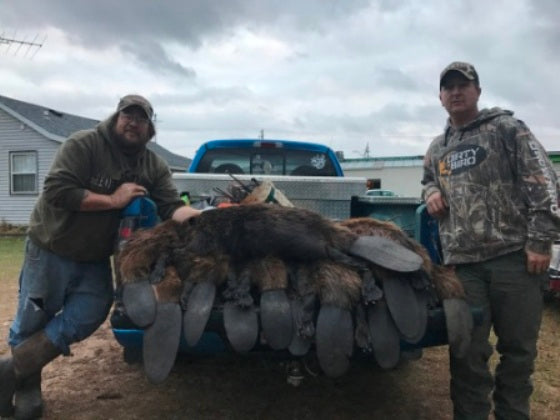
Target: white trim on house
12 154
31 124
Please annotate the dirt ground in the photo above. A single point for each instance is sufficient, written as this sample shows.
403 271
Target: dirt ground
95 383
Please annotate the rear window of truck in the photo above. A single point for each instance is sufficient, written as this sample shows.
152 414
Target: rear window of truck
266 161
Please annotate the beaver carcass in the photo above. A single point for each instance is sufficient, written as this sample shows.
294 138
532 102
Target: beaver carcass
302 279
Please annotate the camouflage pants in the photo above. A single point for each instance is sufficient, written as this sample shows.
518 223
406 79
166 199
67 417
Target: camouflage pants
512 301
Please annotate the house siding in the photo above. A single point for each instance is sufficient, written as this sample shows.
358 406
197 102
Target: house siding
16 136
403 181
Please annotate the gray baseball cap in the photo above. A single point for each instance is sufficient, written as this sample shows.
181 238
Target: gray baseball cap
465 69
136 100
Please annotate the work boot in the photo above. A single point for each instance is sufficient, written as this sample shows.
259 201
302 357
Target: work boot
28 400
28 358
8 381
31 355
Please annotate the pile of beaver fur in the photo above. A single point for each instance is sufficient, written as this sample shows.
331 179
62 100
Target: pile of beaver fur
290 279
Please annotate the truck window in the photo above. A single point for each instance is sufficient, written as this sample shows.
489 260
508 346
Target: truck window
259 161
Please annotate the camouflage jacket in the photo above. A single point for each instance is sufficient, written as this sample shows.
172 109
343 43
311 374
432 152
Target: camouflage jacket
500 186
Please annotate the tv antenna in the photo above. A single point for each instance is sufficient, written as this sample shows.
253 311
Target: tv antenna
28 46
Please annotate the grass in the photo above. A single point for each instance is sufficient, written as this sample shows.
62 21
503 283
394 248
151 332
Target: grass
11 258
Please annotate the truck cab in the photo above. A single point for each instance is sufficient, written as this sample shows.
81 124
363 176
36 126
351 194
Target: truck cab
265 157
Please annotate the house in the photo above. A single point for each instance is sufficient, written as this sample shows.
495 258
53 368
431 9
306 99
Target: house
29 138
401 174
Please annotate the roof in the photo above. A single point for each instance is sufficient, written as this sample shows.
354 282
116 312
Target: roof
173 160
58 125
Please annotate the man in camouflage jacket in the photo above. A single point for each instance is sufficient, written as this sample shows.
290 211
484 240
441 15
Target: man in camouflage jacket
490 183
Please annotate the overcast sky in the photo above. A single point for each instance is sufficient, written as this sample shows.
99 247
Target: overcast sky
341 72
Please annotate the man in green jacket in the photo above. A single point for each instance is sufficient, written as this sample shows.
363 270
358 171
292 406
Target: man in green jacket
66 282
489 182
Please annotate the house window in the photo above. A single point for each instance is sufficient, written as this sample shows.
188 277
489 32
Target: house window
23 172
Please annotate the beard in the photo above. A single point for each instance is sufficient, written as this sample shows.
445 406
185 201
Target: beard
127 147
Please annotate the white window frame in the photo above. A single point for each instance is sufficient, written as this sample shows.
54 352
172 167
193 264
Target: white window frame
12 173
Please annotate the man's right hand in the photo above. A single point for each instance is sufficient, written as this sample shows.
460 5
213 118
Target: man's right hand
437 206
125 193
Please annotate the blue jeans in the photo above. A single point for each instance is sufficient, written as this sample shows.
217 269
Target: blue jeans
66 298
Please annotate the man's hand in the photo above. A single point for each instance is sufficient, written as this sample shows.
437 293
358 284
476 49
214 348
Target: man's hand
184 213
125 193
437 206
537 263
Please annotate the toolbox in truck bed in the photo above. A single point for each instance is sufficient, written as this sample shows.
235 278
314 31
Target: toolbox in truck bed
329 196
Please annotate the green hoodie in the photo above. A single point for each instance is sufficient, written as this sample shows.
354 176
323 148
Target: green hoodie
500 187
91 160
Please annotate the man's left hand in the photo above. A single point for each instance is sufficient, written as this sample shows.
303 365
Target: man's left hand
537 263
184 213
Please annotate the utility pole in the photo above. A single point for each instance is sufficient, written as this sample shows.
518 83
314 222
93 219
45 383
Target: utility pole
261 134
366 151
31 45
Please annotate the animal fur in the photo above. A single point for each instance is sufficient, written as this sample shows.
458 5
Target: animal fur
196 268
268 273
170 287
202 247
238 288
138 257
261 230
302 281
312 277
445 281
338 285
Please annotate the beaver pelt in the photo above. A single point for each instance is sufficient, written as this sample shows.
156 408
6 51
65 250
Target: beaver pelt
303 267
444 279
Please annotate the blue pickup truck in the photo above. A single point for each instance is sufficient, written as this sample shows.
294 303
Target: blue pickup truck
311 177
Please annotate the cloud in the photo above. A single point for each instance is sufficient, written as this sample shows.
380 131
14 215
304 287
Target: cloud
342 72
157 59
144 27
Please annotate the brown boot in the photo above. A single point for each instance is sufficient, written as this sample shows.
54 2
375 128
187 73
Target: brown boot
8 381
28 358
28 399
31 355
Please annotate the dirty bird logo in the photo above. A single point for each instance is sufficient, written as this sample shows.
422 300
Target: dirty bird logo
461 159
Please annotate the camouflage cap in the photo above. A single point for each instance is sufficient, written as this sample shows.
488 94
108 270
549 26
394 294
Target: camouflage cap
465 69
136 100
